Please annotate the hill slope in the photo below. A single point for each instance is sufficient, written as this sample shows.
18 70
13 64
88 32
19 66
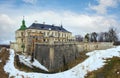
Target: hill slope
95 61
4 56
110 70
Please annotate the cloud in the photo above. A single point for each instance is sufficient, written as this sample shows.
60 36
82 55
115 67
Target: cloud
6 28
10 18
30 1
103 5
76 23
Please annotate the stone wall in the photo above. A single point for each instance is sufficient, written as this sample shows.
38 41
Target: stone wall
93 46
55 56
14 46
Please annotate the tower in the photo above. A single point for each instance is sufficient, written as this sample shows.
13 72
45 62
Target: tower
23 26
20 37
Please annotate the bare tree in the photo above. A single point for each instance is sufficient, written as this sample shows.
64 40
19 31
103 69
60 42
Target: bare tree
109 36
87 37
100 37
112 35
106 37
94 37
79 38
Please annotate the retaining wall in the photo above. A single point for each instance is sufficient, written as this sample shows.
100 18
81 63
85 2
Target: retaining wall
55 56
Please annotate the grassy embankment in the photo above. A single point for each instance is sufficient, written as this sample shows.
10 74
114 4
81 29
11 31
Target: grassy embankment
4 56
110 70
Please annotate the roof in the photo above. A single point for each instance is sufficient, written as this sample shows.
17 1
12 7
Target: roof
23 26
47 27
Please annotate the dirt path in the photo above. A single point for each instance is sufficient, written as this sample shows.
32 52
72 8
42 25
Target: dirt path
4 56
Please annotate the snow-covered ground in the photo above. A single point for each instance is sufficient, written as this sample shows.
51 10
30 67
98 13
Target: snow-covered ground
26 61
93 62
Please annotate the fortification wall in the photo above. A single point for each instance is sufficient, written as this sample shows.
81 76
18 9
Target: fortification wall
93 46
55 56
14 46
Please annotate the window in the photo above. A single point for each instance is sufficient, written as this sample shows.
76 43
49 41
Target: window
44 33
21 40
36 39
22 34
48 33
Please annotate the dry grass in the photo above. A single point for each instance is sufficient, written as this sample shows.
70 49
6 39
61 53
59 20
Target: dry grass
4 56
110 70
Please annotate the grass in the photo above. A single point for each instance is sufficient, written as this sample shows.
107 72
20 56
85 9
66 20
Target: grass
110 70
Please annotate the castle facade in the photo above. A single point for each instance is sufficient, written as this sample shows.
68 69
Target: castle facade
26 37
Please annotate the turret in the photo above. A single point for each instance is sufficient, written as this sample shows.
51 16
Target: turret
23 26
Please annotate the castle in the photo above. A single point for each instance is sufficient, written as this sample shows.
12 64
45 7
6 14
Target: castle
51 45
27 37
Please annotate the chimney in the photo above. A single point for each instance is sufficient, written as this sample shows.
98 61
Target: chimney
52 25
35 21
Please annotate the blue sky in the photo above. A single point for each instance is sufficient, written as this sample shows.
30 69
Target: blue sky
78 16
77 6
61 5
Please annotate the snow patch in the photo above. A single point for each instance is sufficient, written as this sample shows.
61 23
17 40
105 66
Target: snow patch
26 60
93 62
37 64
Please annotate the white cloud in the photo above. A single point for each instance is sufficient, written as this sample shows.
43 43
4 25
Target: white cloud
103 5
76 23
4 19
30 1
6 28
